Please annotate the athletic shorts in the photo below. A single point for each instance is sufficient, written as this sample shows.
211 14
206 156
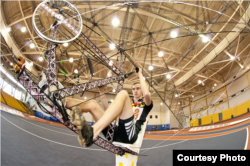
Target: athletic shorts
126 131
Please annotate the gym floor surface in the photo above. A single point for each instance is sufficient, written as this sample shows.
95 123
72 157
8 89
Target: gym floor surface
26 141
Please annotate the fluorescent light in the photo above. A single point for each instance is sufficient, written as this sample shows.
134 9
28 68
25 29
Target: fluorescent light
173 34
23 29
168 76
160 54
32 45
115 21
150 67
40 58
76 71
65 44
112 46
71 59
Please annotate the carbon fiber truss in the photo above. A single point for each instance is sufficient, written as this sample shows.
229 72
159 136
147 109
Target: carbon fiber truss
57 110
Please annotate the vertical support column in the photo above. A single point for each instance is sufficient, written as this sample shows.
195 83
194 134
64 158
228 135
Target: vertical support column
206 102
248 81
227 97
189 103
160 114
25 96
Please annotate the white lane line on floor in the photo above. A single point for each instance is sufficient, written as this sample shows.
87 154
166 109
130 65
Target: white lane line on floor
246 139
51 140
75 135
164 145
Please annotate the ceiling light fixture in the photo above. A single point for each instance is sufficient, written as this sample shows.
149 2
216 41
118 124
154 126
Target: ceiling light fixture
176 95
109 73
150 67
160 54
31 63
71 59
65 44
76 71
8 29
11 64
199 81
113 90
115 22
32 45
168 76
40 58
232 57
173 34
110 63
215 84
204 39
112 46
23 29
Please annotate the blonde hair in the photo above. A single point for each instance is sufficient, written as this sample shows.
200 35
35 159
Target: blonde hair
135 84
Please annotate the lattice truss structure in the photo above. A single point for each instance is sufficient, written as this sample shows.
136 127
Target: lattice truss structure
144 30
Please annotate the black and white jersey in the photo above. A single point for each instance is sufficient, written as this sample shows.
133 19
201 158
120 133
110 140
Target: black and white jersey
141 111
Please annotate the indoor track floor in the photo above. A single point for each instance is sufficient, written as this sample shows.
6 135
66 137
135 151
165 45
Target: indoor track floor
28 142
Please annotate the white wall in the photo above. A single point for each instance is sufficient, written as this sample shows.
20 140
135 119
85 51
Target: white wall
233 88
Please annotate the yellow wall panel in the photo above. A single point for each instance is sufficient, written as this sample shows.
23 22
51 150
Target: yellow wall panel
242 108
12 102
194 122
206 120
215 117
227 114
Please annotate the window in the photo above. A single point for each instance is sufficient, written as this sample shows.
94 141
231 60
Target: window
1 82
7 88
18 95
156 116
23 97
150 117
